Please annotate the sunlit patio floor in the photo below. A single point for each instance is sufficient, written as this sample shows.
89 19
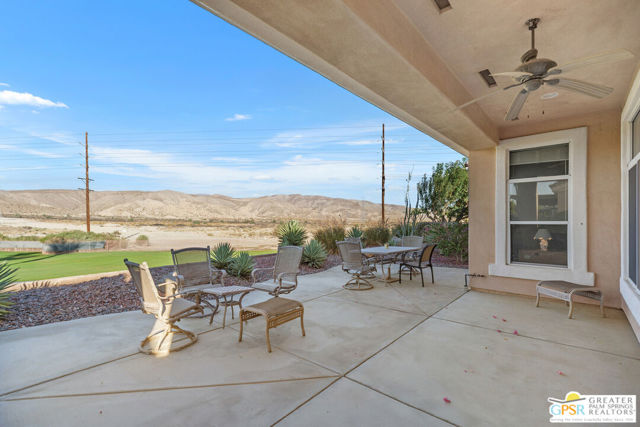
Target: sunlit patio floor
388 356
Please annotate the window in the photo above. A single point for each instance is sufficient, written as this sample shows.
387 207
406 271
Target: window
538 205
633 239
541 220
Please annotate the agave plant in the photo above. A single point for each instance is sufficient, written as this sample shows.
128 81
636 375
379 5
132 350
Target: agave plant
221 255
241 265
314 254
6 279
355 231
291 233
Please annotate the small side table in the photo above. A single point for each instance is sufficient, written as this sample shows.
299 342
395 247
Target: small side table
565 291
225 295
276 311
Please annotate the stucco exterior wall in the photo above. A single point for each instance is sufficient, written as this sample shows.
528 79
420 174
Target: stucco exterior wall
603 206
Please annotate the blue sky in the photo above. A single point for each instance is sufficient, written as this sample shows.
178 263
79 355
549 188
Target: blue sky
175 98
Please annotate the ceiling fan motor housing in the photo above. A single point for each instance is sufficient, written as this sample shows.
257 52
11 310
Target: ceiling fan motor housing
537 67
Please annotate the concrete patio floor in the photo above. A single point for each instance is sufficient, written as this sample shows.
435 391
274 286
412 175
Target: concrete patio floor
380 357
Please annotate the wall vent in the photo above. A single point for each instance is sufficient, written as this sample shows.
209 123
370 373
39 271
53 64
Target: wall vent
443 5
488 78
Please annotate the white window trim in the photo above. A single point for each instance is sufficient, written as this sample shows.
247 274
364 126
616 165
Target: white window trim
576 270
628 290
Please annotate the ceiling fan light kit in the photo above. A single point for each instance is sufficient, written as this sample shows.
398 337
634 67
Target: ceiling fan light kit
533 73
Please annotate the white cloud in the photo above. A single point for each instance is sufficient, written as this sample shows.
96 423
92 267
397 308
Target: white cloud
233 159
298 174
4 84
31 152
366 132
262 177
237 117
9 97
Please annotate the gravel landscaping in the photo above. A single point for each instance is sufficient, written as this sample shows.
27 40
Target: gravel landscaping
117 294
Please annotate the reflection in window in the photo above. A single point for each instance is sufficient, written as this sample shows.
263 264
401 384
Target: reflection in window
539 206
539 244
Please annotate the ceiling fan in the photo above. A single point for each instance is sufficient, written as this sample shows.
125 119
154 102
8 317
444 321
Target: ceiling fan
535 72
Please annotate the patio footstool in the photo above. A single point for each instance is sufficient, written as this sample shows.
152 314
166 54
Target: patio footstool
565 291
276 311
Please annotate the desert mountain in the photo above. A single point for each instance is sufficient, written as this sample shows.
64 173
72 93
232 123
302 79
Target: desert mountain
176 205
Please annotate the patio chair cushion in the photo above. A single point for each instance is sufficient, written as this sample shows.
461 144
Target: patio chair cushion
266 286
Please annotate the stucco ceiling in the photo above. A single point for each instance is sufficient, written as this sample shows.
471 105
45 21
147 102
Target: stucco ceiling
478 34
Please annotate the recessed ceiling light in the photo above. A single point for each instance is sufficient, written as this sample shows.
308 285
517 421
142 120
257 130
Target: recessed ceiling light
549 95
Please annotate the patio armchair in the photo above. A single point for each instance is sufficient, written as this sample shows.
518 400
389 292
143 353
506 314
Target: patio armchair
357 240
355 264
197 276
195 268
411 242
423 261
165 304
285 272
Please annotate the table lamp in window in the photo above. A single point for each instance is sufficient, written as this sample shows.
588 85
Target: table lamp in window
543 236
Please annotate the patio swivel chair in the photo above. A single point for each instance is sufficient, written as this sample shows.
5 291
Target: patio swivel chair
355 264
285 272
194 265
423 261
198 277
168 308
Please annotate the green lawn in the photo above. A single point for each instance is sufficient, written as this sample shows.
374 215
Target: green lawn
36 266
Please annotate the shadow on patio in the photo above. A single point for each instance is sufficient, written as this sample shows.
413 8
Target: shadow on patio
385 356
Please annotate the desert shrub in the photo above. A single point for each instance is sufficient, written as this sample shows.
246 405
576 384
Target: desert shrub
314 254
142 239
329 235
452 238
291 233
26 238
376 235
222 255
6 279
241 265
79 236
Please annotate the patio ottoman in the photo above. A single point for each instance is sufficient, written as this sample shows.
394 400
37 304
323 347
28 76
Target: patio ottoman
565 291
275 311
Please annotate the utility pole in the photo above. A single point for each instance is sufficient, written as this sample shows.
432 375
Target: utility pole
383 173
86 180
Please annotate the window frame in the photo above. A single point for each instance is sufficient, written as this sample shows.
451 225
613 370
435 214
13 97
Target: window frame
629 291
576 269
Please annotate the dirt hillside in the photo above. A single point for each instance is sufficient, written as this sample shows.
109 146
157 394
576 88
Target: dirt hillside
176 205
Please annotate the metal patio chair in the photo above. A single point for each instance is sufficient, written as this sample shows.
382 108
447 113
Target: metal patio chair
165 304
194 270
285 272
355 264
423 261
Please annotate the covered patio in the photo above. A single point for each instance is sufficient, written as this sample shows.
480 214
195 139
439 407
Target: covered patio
385 356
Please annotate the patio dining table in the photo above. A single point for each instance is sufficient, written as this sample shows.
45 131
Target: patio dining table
381 252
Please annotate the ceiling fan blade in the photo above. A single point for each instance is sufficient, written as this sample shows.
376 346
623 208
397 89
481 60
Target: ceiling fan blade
512 74
516 105
609 56
591 89
495 92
